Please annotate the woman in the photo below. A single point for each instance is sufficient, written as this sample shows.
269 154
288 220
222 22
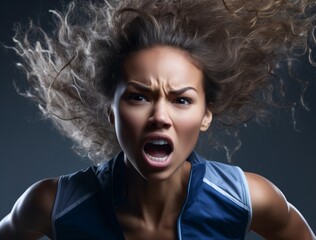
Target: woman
150 75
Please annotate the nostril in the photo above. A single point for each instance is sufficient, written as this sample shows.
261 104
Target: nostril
160 117
159 122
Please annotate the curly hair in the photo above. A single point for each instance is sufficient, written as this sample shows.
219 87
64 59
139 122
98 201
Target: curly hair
73 70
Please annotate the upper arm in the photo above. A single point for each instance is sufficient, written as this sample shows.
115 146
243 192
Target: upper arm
273 217
30 217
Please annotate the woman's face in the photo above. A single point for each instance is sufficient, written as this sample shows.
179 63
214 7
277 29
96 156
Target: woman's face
159 110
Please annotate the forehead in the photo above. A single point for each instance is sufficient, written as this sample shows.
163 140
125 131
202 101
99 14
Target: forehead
163 66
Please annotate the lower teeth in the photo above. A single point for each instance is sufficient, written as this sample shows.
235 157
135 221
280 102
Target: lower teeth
157 159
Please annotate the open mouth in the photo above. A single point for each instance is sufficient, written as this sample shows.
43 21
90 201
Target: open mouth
158 150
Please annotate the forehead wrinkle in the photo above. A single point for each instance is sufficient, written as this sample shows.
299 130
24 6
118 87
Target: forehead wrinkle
150 82
167 90
162 75
166 86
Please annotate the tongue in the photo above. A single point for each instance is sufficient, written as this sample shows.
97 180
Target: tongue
158 151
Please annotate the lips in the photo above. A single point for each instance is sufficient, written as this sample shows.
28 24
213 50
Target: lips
158 148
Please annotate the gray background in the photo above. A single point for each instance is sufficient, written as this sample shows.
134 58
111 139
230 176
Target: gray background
32 150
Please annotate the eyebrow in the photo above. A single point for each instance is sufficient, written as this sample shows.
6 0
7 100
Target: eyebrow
144 87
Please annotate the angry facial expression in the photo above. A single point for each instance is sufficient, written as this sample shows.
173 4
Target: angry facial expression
159 110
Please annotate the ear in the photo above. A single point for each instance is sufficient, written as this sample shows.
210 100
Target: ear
206 121
110 115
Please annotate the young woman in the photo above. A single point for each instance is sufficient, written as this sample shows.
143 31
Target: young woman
136 82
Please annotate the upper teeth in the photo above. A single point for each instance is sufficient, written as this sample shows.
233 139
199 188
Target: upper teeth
159 142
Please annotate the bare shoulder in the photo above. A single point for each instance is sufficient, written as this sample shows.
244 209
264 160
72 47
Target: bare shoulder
273 216
30 217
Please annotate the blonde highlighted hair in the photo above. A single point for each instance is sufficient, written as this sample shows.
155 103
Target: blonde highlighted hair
73 69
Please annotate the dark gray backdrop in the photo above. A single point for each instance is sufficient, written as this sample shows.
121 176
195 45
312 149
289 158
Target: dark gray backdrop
32 150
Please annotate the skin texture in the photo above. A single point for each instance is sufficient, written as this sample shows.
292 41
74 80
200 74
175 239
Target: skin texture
148 105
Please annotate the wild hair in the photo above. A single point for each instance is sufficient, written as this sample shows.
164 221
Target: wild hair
73 71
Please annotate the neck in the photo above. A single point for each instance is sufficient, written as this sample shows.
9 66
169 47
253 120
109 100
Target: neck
156 201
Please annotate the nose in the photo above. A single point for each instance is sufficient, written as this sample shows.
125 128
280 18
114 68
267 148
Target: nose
160 116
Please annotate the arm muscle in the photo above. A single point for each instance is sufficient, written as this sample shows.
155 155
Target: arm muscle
273 217
30 217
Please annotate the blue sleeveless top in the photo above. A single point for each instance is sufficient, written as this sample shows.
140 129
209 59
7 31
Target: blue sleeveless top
217 205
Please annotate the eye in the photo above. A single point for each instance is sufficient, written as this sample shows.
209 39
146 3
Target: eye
136 97
183 101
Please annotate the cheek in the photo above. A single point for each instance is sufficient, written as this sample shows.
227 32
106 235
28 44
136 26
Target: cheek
188 128
129 121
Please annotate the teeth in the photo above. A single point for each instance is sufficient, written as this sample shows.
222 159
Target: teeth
156 159
159 142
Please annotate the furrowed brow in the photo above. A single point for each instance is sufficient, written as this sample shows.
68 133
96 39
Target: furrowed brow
138 85
182 90
144 87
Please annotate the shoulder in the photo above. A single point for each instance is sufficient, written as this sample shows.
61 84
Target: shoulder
267 200
31 214
273 216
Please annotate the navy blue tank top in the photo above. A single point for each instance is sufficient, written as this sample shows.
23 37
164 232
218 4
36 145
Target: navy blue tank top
217 205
